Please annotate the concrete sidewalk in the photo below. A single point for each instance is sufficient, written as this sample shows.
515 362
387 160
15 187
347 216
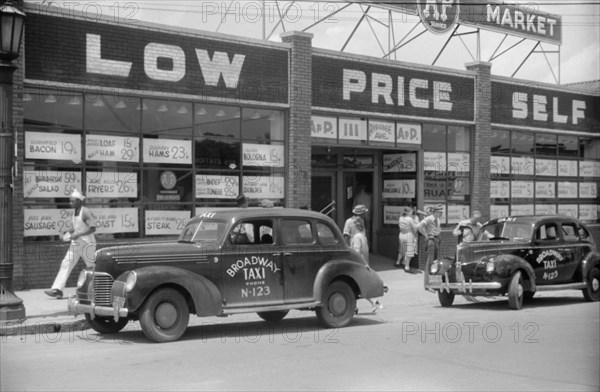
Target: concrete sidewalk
46 315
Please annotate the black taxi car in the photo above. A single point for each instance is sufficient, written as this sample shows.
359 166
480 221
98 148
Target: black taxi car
228 261
517 257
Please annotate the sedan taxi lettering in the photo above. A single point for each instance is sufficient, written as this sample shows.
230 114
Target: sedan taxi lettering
252 261
549 254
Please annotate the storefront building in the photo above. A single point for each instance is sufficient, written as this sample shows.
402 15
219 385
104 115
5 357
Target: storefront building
153 122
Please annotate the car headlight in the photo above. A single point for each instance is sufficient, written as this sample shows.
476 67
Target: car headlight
130 282
434 268
81 279
489 267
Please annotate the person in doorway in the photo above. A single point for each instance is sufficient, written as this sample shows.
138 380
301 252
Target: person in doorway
359 243
365 199
407 239
82 243
431 228
242 201
358 211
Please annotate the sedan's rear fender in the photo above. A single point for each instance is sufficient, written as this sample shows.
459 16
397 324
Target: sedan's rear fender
590 260
362 278
204 295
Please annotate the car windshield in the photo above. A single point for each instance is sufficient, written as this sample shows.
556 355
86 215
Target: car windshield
506 230
203 230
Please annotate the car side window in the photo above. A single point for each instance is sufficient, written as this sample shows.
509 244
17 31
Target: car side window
252 232
296 231
547 232
569 231
326 235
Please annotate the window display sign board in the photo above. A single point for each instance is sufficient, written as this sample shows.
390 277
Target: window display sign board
116 220
408 133
391 214
568 210
171 151
112 185
53 146
456 213
263 155
324 127
567 190
381 131
112 148
264 187
398 189
50 184
434 161
546 167
588 211
521 209
166 222
500 165
459 162
47 222
545 189
353 129
216 187
589 169
500 189
588 189
522 166
545 209
522 189
395 163
498 211
567 168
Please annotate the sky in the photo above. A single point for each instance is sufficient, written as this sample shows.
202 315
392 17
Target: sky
576 60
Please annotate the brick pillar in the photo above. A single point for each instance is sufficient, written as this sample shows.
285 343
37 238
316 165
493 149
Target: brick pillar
481 148
298 169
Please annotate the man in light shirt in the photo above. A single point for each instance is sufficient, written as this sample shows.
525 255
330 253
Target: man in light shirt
431 228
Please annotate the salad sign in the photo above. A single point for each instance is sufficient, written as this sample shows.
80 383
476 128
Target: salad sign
47 222
50 184
53 146
112 148
165 222
168 151
112 184
216 187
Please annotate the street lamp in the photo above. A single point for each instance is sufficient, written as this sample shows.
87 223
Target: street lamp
11 30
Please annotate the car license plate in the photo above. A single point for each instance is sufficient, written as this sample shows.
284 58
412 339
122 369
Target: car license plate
435 279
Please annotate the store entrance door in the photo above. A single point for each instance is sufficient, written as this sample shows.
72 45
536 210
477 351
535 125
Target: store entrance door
358 189
323 193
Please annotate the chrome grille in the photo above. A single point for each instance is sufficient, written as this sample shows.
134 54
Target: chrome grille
102 287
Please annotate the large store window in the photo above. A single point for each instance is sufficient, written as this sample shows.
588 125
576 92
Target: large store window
541 173
144 164
447 169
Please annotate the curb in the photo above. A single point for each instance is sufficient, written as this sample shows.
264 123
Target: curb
43 327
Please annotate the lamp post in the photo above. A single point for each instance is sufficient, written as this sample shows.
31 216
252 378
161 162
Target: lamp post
11 30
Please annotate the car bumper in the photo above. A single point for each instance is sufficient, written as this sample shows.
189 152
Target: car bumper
117 309
436 283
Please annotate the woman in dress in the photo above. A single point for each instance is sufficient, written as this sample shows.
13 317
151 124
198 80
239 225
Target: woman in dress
407 239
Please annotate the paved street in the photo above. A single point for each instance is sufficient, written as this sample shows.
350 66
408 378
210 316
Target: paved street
411 344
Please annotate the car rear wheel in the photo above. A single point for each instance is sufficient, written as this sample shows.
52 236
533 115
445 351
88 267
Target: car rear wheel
592 291
164 316
446 298
104 325
516 291
338 306
273 316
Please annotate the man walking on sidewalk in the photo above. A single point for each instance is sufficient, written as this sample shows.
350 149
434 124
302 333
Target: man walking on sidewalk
83 243
430 227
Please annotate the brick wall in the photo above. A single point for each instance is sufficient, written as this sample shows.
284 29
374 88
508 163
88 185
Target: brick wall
298 191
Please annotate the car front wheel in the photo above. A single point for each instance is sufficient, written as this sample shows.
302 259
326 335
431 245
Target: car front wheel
273 316
515 291
104 325
164 316
592 291
446 299
338 306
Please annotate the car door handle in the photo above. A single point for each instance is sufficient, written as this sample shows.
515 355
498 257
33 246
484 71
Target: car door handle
287 254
